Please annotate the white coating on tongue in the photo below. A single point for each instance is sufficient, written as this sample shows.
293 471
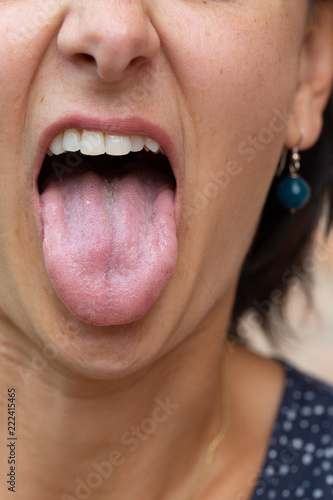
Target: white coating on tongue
110 246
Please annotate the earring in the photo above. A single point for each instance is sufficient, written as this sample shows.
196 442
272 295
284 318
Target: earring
293 191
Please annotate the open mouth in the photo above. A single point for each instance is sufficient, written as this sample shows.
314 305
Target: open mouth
109 232
109 160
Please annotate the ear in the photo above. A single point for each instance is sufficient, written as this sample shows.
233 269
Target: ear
315 80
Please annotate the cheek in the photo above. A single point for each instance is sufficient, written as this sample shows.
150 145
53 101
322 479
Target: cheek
235 80
26 28
239 90
240 85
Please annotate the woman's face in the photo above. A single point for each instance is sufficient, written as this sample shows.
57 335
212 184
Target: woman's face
213 82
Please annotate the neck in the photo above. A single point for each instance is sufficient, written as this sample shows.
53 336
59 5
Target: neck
83 438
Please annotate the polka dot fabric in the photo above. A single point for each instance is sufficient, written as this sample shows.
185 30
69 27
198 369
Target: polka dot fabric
299 461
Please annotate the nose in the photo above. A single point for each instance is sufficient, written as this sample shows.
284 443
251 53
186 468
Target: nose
116 36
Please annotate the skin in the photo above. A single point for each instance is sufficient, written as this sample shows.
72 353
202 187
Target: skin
213 74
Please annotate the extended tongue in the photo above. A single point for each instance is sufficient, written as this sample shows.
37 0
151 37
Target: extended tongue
110 246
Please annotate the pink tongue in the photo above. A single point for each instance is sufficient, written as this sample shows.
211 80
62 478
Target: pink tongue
110 246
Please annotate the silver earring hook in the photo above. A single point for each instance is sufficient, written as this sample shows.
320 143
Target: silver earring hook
295 163
295 151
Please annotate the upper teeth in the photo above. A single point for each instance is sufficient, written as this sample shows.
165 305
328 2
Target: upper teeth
97 143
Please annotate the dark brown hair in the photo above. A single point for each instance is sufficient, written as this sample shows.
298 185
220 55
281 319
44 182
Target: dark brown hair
284 240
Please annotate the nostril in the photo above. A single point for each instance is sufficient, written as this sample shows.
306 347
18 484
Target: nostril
137 61
83 58
87 57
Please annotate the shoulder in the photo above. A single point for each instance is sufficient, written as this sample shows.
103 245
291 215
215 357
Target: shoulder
299 462
307 400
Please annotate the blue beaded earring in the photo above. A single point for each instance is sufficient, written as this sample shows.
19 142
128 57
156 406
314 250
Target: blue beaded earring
293 192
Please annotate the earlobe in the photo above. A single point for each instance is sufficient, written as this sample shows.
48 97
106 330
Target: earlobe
305 115
315 81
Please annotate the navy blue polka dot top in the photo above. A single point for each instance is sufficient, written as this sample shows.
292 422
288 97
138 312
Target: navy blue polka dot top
299 462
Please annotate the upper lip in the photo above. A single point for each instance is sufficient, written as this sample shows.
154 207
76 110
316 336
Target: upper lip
127 126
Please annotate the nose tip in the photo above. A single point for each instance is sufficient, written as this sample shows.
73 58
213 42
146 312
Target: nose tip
116 37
